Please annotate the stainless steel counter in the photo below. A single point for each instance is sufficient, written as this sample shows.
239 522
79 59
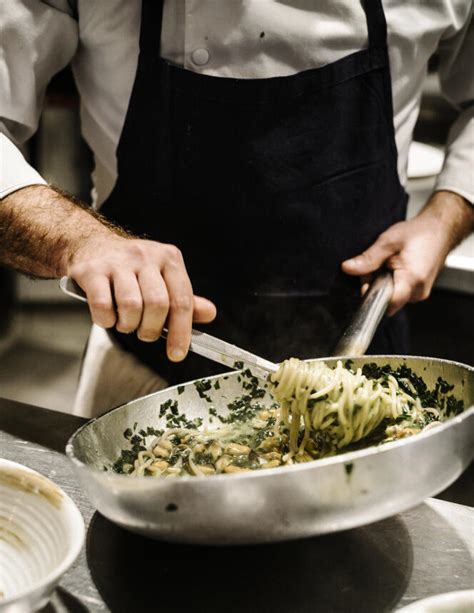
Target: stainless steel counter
381 567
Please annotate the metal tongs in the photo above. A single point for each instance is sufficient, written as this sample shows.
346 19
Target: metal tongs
354 341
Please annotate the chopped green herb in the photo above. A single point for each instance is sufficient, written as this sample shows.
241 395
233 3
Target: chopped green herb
414 385
150 431
164 407
453 406
203 386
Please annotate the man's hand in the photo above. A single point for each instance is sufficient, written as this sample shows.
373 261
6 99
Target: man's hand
416 249
136 285
148 284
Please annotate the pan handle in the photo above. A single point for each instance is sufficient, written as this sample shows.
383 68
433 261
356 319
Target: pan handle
361 330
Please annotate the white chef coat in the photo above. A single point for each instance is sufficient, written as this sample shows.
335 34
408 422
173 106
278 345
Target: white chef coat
227 38
246 39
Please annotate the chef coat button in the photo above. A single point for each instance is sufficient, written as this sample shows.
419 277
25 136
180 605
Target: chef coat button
200 57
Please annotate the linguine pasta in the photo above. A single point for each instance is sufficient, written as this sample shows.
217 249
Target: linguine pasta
346 406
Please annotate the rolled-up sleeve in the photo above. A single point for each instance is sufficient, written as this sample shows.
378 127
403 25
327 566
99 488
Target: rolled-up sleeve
456 53
37 39
15 172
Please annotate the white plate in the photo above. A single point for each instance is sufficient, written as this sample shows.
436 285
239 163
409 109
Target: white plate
450 602
41 534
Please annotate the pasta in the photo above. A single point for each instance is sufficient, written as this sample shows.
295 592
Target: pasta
346 406
319 412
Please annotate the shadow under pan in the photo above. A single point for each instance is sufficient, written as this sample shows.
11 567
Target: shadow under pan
366 569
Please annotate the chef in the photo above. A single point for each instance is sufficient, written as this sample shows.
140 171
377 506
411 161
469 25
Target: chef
249 155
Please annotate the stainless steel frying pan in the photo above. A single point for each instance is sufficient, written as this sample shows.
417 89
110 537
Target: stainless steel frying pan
273 504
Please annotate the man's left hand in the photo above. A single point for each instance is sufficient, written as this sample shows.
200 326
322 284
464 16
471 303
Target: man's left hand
415 250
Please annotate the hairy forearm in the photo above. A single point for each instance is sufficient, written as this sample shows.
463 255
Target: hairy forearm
41 229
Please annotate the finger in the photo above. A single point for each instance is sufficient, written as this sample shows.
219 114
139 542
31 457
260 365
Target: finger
180 314
402 291
128 299
373 258
99 298
155 304
204 310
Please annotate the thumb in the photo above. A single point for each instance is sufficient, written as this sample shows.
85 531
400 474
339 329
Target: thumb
204 310
371 259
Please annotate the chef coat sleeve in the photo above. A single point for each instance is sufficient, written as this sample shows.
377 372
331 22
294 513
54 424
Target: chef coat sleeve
37 39
456 53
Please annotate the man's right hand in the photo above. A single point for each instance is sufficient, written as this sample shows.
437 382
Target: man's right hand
133 284
139 285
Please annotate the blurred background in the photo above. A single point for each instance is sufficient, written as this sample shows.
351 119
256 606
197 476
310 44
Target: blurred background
43 333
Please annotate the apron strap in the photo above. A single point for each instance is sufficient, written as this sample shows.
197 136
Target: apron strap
376 23
150 28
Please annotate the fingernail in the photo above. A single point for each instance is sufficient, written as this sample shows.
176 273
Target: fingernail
352 262
176 354
148 339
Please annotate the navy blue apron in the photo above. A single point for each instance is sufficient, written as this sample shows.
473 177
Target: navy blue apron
266 186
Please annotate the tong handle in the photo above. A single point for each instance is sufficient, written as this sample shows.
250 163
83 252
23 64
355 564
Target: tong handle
201 343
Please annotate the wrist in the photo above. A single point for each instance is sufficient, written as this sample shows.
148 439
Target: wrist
85 231
450 215
89 245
